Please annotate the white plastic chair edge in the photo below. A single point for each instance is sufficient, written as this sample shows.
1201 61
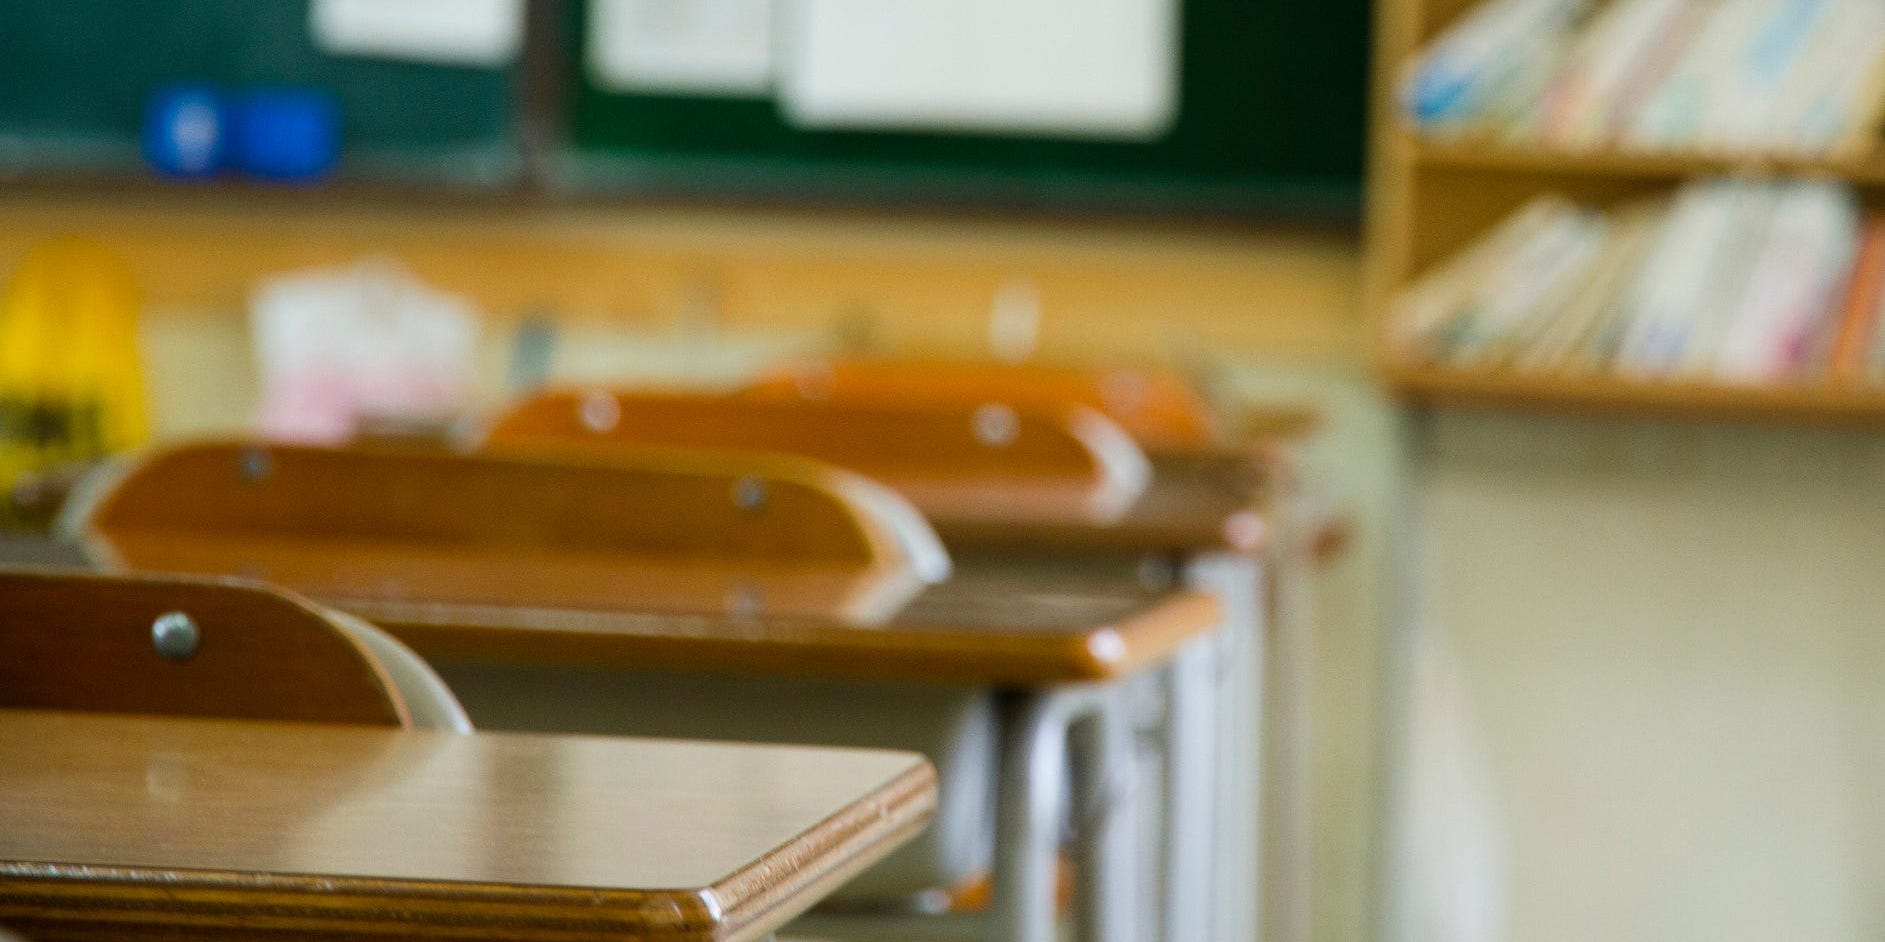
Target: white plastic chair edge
915 541
429 701
1124 470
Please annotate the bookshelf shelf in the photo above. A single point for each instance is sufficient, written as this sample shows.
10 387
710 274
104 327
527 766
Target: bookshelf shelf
1610 396
1449 155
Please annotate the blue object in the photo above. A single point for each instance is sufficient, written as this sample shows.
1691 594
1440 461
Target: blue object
186 130
288 134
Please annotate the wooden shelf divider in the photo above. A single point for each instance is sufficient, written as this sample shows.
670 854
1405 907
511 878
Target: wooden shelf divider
1601 394
1519 159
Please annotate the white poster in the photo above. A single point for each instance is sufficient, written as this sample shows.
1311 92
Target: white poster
1075 68
722 48
485 33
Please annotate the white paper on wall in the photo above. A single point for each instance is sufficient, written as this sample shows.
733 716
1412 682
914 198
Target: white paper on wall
722 48
1074 68
485 33
341 347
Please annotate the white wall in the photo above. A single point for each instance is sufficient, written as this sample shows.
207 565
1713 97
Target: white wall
1353 470
1673 639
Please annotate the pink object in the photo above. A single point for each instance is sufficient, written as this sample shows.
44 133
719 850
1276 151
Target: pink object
338 347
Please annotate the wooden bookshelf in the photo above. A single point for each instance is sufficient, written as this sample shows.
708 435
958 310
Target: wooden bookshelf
1605 395
1498 158
1429 198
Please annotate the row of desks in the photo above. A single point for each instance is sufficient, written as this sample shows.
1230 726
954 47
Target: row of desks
1045 627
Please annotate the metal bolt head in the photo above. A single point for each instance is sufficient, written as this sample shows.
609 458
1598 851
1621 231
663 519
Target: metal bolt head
749 494
599 412
255 464
175 636
744 601
995 424
1157 573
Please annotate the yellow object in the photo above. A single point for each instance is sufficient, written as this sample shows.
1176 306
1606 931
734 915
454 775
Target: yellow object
71 386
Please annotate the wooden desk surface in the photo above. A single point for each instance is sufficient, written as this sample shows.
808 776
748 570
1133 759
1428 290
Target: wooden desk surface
117 826
980 628
1200 499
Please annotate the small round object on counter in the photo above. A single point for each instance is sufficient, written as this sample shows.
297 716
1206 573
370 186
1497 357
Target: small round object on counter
285 133
186 130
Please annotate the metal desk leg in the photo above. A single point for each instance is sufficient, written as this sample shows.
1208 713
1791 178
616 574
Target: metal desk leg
1033 782
1106 893
1189 793
1038 730
1236 901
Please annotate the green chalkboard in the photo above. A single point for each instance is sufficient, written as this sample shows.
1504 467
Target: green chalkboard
75 74
1271 116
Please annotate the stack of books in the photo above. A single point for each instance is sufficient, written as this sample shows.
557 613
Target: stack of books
1736 281
1787 78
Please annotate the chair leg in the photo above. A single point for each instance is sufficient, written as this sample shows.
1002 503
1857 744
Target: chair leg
1236 888
1188 797
1033 783
1106 890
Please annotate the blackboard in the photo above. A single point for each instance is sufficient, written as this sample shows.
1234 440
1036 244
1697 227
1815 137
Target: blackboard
1271 116
75 75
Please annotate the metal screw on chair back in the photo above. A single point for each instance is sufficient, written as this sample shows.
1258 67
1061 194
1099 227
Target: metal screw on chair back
175 636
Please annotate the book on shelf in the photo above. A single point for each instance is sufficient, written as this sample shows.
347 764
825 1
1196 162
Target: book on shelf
1430 311
1467 69
1804 260
1859 311
1779 78
1728 280
1587 330
1680 280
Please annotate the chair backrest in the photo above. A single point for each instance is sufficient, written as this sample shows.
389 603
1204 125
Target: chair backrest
987 461
656 530
185 647
1157 408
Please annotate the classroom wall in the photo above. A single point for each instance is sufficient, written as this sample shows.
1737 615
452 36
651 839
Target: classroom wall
1670 639
1352 467
898 283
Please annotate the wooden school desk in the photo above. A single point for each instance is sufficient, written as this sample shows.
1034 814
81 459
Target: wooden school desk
1043 467
1229 519
1157 408
469 576
1208 521
1202 510
988 462
1201 503
120 827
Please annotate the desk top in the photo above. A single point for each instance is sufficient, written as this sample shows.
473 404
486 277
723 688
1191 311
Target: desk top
1200 499
182 827
1006 629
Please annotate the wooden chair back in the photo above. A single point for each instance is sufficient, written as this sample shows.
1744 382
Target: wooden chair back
1157 408
988 461
651 530
184 647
